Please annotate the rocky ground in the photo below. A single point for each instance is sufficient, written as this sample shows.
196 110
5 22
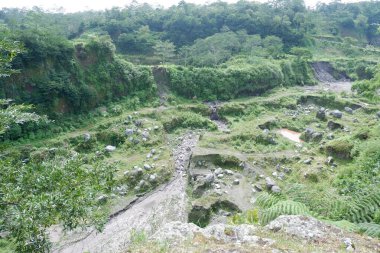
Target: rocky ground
222 178
149 213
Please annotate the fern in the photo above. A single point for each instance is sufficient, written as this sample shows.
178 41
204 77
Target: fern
364 209
266 200
285 207
371 229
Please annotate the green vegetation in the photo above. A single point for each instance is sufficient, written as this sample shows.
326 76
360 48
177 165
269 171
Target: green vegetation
93 103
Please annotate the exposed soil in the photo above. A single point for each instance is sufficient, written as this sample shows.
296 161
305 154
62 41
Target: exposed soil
291 135
166 204
329 79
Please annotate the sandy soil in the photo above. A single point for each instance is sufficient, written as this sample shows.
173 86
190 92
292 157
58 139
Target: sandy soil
165 204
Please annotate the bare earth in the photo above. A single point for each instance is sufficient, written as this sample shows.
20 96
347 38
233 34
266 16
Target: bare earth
164 205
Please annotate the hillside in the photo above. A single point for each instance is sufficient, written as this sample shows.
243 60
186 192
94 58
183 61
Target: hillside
198 128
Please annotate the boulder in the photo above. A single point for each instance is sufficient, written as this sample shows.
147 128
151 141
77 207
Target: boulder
147 167
348 110
110 148
129 131
307 161
321 114
218 171
308 134
269 183
317 136
275 189
86 137
337 114
330 160
334 125
138 123
236 182
330 136
145 134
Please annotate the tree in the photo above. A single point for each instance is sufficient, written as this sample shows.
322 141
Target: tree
273 45
165 50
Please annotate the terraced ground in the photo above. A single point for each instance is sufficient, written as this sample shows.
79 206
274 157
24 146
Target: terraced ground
274 172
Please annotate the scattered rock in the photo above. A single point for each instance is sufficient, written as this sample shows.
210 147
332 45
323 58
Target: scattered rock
102 199
317 136
321 114
349 245
218 171
87 137
129 131
258 188
333 125
269 182
145 134
275 189
348 110
229 172
330 160
330 136
138 123
337 114
110 148
153 178
307 161
147 167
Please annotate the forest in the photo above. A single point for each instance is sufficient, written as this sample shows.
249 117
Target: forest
85 96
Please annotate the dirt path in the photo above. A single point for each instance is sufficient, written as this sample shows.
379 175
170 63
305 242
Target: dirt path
164 205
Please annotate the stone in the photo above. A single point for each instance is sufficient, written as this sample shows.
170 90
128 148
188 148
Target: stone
333 125
156 128
129 131
330 136
220 176
218 171
86 137
330 160
275 189
321 114
317 136
138 123
153 178
348 110
145 134
148 156
307 161
308 133
209 178
236 182
287 170
258 188
102 199
229 172
269 182
153 151
378 114
110 148
337 114
147 167
217 186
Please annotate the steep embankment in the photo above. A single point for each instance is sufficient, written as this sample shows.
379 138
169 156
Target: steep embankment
72 77
329 78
